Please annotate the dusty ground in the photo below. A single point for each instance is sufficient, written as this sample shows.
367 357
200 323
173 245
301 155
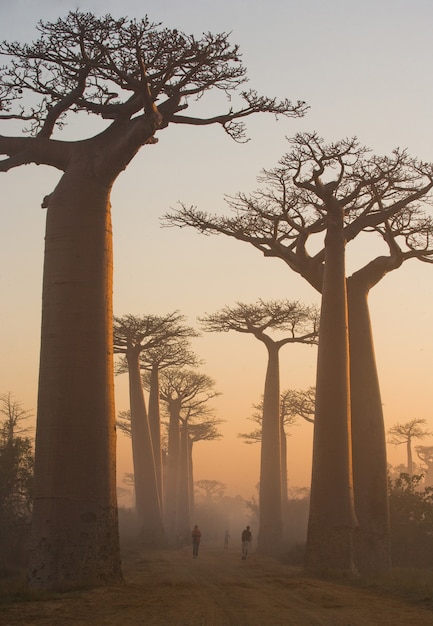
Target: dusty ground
217 589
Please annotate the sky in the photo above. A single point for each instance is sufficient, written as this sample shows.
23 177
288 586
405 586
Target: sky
364 69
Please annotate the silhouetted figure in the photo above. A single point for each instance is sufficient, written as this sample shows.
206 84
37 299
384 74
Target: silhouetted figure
196 536
226 539
246 541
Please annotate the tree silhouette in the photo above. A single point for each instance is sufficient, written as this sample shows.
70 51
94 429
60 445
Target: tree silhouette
137 78
298 324
174 351
294 404
133 336
16 479
185 394
339 191
425 455
213 489
405 434
204 430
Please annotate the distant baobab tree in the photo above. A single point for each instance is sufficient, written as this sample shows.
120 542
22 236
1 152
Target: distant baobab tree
133 336
205 429
186 394
174 351
137 78
328 195
213 489
294 404
293 323
405 434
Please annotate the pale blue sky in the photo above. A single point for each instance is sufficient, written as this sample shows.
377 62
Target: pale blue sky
365 70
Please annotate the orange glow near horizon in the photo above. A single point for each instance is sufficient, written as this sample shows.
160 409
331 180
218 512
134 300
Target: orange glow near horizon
161 270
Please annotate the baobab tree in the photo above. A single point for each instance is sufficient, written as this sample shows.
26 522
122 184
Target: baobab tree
174 351
204 430
185 394
295 206
405 434
299 403
294 404
298 324
136 78
213 489
133 336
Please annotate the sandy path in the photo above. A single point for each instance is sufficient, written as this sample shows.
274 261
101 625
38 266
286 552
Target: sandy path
217 589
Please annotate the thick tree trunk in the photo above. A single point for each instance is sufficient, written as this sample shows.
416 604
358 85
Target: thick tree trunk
74 527
155 427
284 481
332 517
372 538
172 469
191 481
270 506
183 521
147 502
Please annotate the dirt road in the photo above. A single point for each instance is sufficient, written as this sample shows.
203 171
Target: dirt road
217 589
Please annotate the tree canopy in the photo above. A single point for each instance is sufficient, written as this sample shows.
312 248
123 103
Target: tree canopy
379 194
129 72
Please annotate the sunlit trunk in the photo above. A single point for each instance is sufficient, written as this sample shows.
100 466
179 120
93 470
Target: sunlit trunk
332 515
183 521
74 529
270 506
155 427
372 539
147 502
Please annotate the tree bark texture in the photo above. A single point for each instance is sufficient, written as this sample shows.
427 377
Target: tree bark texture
332 517
270 505
74 529
372 538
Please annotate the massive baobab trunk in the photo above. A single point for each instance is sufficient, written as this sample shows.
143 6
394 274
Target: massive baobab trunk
270 506
372 539
74 528
332 517
147 501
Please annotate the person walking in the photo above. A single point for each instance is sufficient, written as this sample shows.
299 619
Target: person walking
246 541
196 536
226 539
